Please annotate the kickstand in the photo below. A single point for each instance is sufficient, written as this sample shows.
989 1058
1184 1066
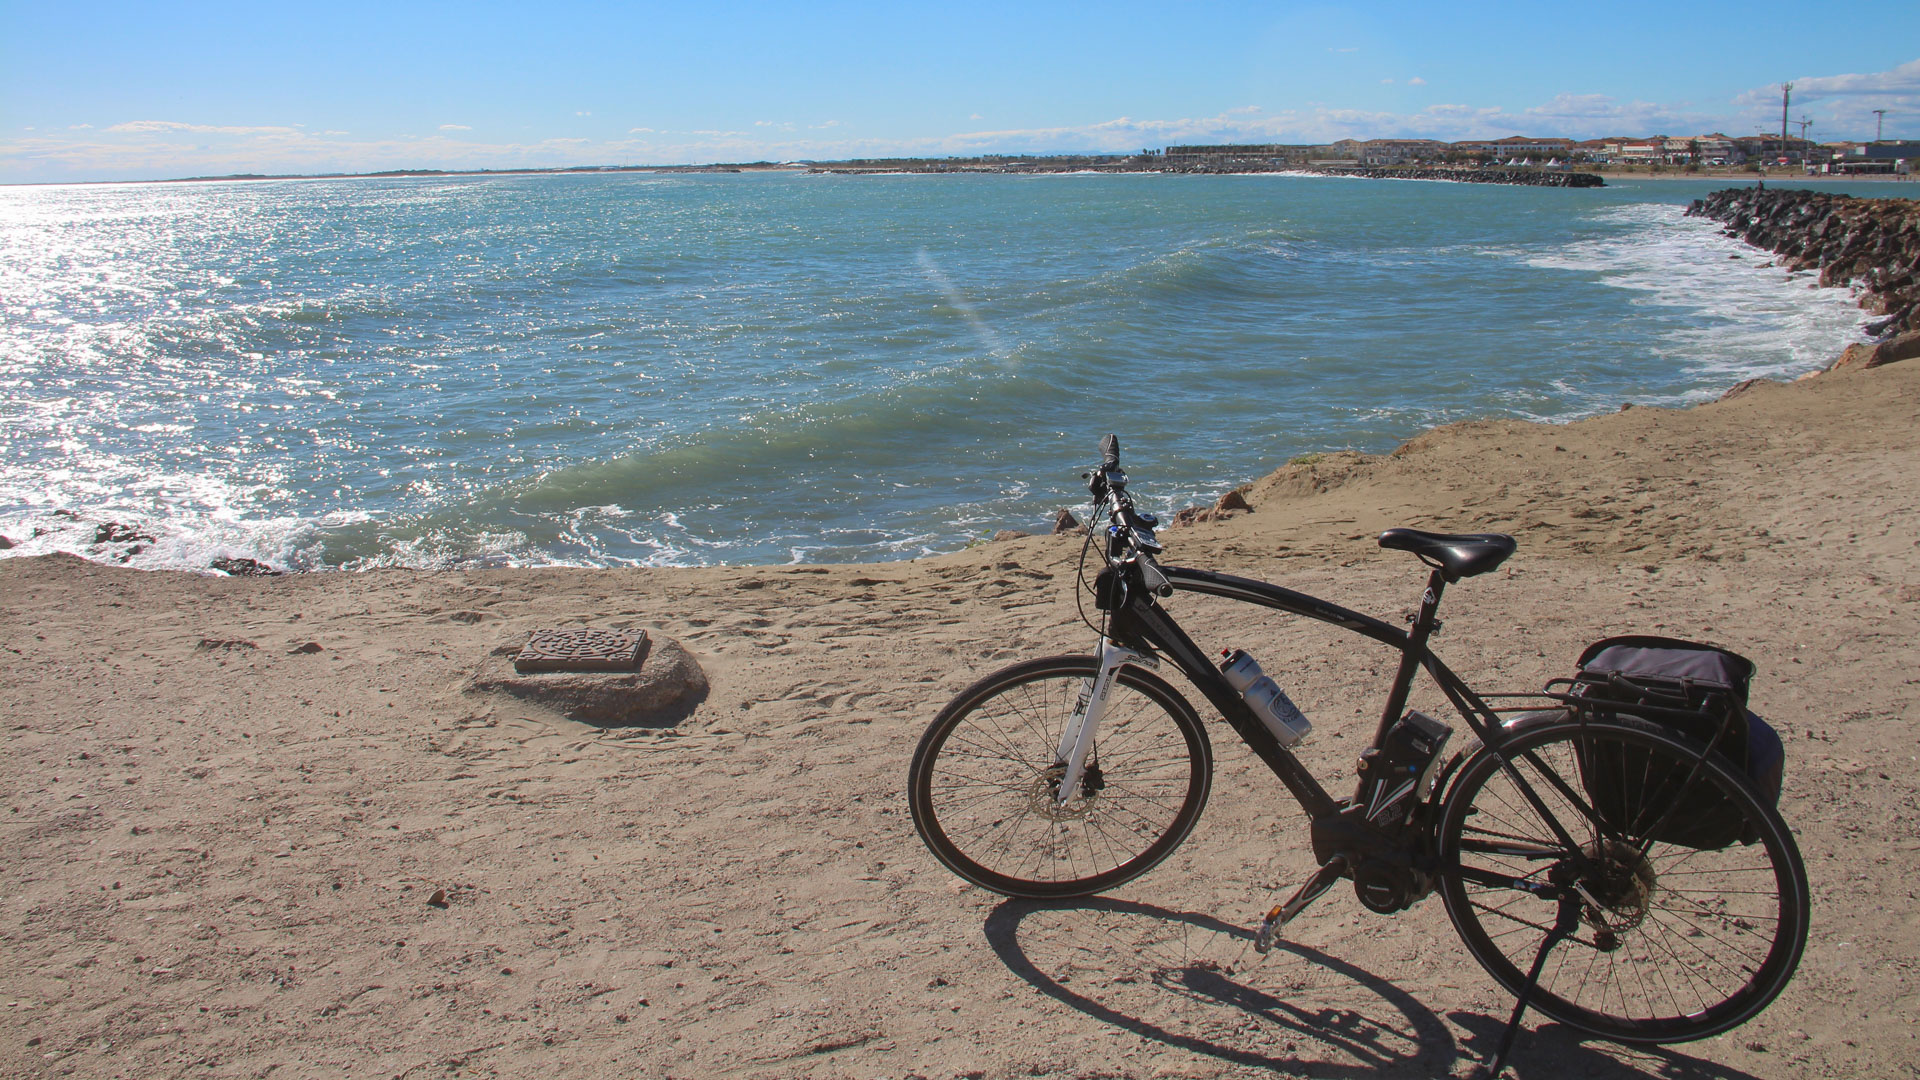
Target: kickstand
1306 894
1564 925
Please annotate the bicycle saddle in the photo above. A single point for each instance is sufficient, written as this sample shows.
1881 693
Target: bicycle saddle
1457 555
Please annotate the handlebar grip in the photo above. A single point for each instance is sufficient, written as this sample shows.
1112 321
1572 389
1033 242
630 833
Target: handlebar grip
1110 453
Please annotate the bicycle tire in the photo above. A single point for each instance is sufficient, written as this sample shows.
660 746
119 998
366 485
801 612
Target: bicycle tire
982 783
1677 943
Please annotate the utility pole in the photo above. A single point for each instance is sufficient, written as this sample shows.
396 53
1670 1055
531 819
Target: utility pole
1879 124
1786 95
1804 123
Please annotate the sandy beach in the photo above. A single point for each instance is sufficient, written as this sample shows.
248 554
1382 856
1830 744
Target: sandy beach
271 827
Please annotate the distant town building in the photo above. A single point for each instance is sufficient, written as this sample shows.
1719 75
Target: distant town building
1594 150
1773 150
1869 158
1515 146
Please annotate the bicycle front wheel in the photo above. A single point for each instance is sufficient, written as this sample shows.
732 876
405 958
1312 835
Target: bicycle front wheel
984 784
1673 942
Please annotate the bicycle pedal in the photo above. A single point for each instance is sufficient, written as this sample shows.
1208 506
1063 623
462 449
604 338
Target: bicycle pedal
1269 930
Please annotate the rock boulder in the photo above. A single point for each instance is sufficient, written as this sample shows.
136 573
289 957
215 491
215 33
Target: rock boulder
665 690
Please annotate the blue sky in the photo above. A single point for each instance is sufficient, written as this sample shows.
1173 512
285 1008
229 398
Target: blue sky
151 90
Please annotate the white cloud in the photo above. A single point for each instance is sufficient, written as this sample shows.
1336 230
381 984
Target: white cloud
153 127
455 127
1598 114
1841 106
1386 82
1900 81
78 127
640 131
763 123
975 116
582 112
1416 81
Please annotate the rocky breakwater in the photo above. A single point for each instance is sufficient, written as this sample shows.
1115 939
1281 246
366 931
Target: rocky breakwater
1527 177
1871 244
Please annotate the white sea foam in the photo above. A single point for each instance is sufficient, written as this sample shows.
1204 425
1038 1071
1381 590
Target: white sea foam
1753 318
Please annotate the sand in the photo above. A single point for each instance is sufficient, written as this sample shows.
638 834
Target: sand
228 853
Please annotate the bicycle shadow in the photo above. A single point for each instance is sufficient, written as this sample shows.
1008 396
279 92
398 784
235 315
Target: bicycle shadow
1191 981
1555 1050
1216 996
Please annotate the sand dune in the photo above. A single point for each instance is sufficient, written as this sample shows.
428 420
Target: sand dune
229 853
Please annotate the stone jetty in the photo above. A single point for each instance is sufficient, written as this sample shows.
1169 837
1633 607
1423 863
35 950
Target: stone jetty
1872 244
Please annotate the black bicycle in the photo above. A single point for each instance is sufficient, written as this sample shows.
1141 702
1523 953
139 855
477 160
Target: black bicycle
1556 841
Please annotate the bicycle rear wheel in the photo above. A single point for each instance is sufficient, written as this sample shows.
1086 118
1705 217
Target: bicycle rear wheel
1673 943
985 779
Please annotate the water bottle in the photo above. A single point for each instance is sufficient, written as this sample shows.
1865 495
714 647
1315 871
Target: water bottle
1264 697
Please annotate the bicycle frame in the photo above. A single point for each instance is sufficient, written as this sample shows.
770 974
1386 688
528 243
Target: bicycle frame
1138 626
1140 622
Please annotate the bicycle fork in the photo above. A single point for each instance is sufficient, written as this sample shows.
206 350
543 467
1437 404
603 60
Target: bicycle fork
1076 738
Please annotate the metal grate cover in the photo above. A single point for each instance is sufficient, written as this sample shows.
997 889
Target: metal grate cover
581 650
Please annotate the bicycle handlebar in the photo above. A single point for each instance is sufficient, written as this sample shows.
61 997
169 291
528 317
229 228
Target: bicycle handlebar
1109 484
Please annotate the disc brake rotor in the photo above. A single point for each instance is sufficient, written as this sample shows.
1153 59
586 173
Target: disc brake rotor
1044 794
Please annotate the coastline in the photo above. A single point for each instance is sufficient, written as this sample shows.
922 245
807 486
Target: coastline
284 815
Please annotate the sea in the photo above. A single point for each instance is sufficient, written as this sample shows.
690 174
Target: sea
768 368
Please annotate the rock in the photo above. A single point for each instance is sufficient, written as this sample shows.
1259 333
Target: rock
438 899
1222 508
666 689
1065 522
1742 387
6 543
244 568
1009 534
1191 515
306 648
207 644
1863 355
1854 355
115 533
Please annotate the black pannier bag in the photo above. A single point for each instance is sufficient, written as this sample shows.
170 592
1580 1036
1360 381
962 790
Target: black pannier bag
1698 691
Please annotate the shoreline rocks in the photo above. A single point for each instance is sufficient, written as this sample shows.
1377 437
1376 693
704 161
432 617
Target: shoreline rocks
1873 244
